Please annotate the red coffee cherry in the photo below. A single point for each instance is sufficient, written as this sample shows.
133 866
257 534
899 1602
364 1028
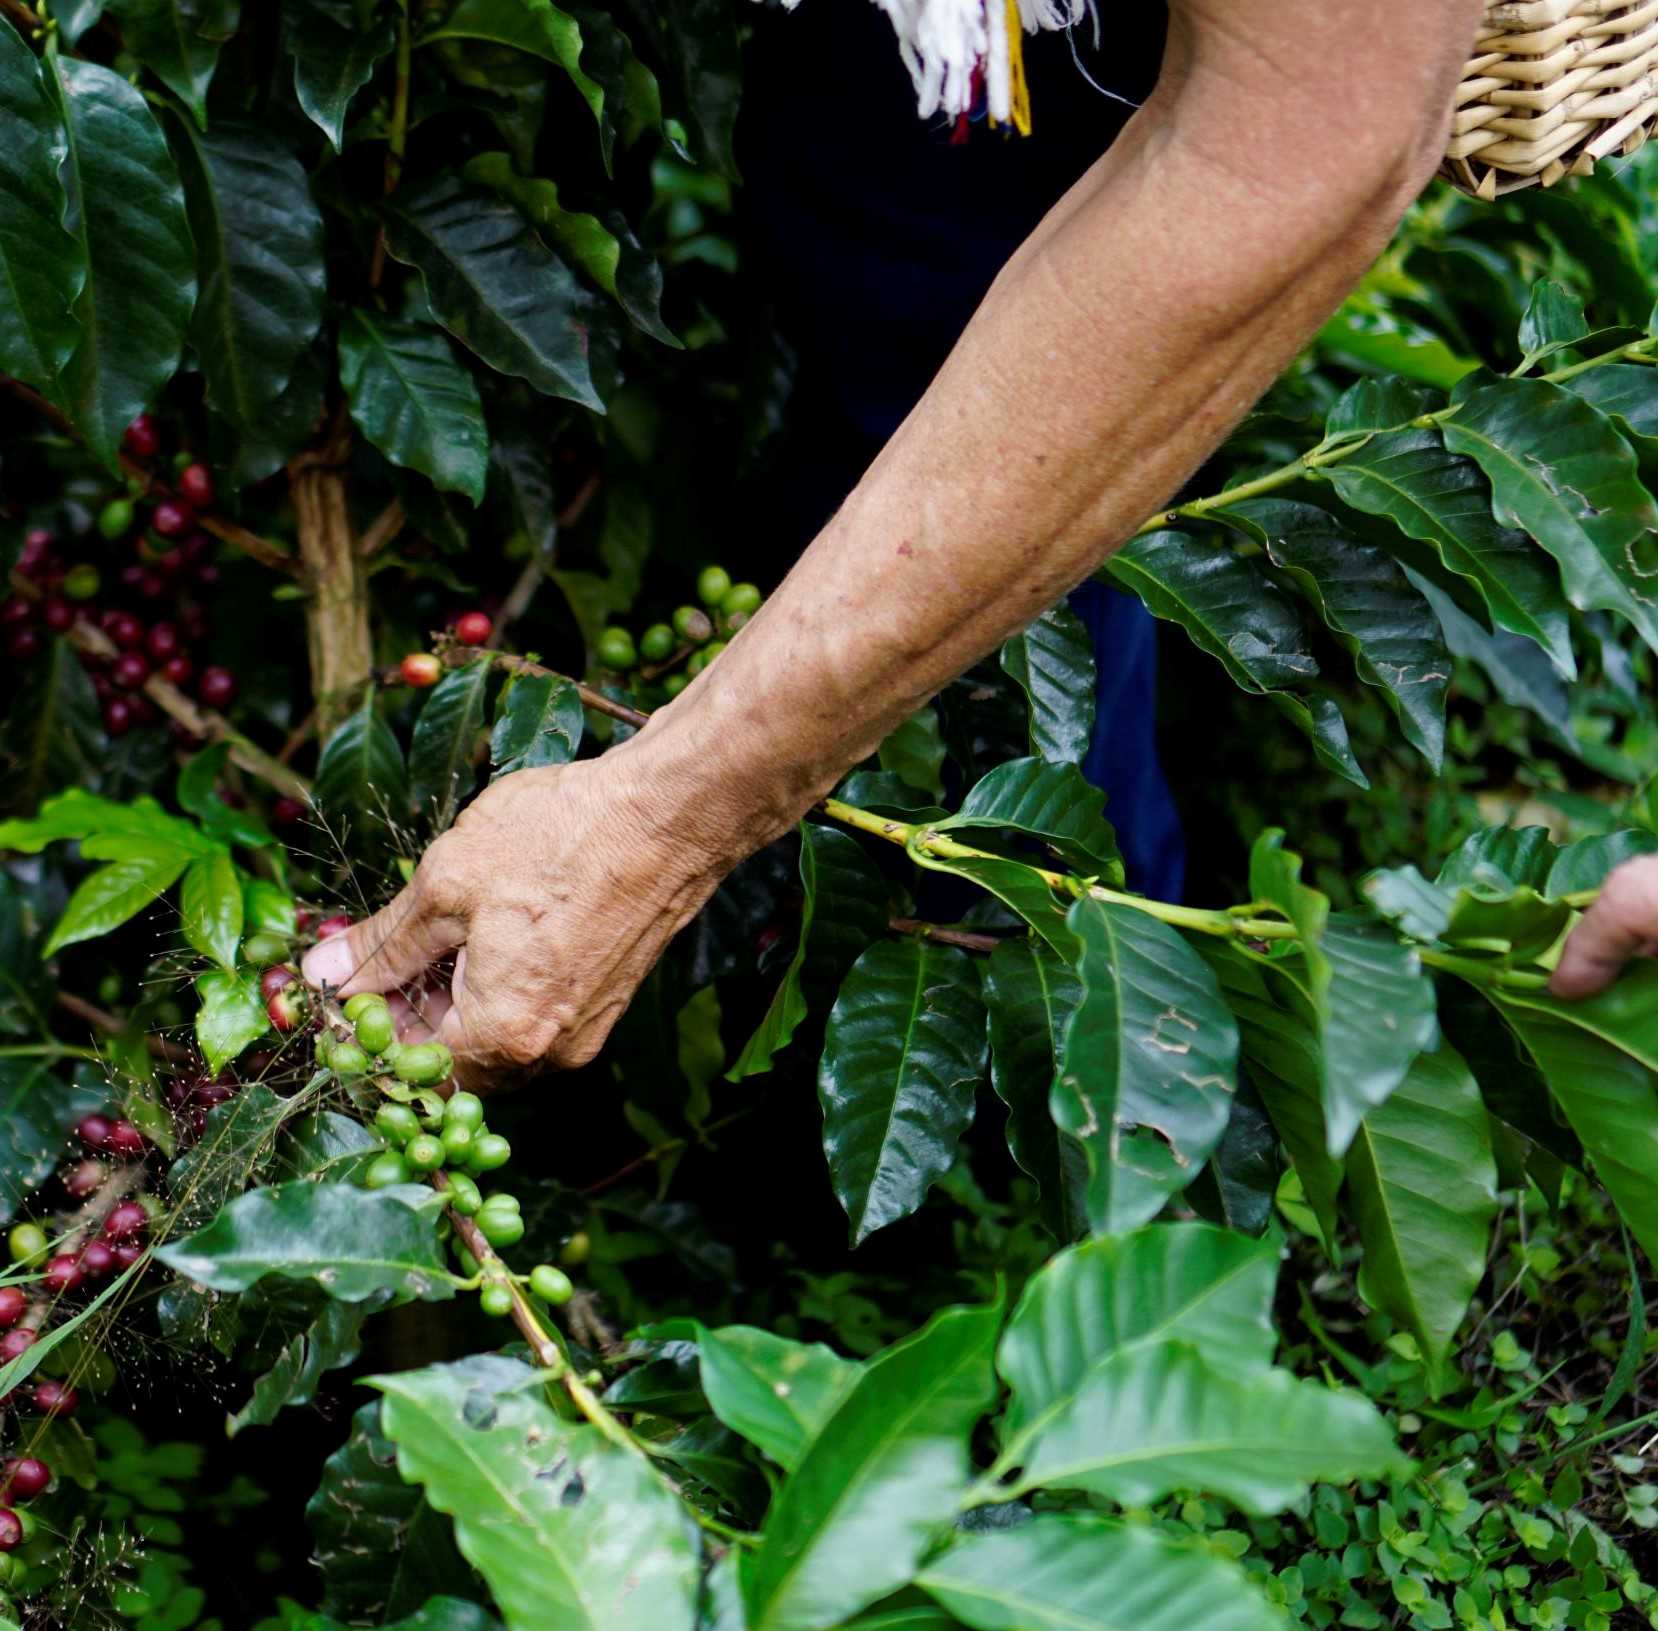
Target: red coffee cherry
118 716
171 519
62 1275
274 978
128 1252
195 485
16 611
14 1344
177 670
11 1530
162 641
84 1177
12 1305
22 1478
98 1258
93 1131
129 671
141 439
57 614
473 628
126 1221
331 926
287 812
54 1399
287 1008
125 1139
24 644
421 669
212 1093
125 630
217 687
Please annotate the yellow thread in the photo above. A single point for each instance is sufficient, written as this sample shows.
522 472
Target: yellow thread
1018 90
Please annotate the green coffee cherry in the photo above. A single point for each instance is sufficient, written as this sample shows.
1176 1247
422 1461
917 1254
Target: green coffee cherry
347 1059
657 643
674 684
398 1122
741 600
325 1047
374 1027
615 650
115 519
263 948
468 1263
11 1569
577 1249
457 1143
500 1227
489 1151
713 585
424 1064
711 651
495 1300
504 1200
383 1170
693 624
81 582
357 1006
695 665
551 1285
464 1110
424 1153
464 1195
28 1243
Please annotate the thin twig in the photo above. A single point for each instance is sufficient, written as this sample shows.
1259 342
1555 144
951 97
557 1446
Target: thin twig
111 1024
964 938
298 737
457 656
397 137
382 530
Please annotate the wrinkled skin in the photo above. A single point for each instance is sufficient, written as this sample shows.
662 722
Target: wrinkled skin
1621 925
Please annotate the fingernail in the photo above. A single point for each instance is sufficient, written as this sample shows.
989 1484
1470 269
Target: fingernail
330 962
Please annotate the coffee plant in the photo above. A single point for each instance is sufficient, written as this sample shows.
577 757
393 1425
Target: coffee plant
949 1235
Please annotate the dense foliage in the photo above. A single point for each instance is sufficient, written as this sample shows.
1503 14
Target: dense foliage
378 381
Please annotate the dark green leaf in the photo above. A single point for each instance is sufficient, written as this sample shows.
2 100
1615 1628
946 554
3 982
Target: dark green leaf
702 39
778 1394
331 1341
539 723
231 1015
334 58
413 401
361 772
326 1146
1553 320
210 908
534 26
178 41
1379 404
915 752
879 1482
1589 862
36 1112
1051 803
1053 664
1240 1184
234 1151
903 1056
134 307
54 732
41 265
445 739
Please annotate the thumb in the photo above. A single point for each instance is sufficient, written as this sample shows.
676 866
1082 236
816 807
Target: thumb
392 948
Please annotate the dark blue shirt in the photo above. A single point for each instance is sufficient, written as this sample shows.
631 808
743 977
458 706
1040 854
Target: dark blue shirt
880 236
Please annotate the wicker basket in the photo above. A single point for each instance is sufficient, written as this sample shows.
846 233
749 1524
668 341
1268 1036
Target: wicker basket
1554 86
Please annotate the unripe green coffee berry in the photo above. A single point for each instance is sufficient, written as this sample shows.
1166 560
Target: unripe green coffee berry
423 1153
674 684
468 1263
577 1249
693 624
115 519
500 1227
741 599
711 651
495 1300
464 1195
325 1046
551 1285
348 1059
713 585
398 1122
457 1143
657 643
375 1030
26 1520
464 1109
615 649
82 581
697 662
503 1200
384 1170
11 1569
424 1064
357 1006
262 948
489 1151
28 1243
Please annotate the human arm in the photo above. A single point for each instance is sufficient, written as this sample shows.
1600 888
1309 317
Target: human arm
1144 316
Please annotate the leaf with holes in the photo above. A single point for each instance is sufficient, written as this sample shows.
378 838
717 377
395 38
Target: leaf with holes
539 722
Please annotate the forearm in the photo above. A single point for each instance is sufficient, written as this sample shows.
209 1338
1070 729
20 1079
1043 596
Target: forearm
1155 304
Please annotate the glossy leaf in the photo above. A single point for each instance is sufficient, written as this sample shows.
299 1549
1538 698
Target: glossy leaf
915 752
259 264
140 287
117 892
879 1482
777 1393
334 58
540 723
495 286
361 771
1560 470
210 908
534 26
1422 1182
1030 993
41 265
54 730
1050 803
1379 403
331 1341
1052 662
1190 1282
351 1242
77 813
381 1548
414 401
702 40
1081 1573
231 1015
566 1528
1149 1063
178 41
445 736
1240 1184
903 1056
1554 320
843 911
1434 496
1589 862
37 1111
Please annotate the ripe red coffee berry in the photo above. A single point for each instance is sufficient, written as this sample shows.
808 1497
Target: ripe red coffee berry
177 670
23 1478
24 644
37 539
162 641
473 628
57 614
125 1139
129 671
127 1252
217 687
126 1221
273 979
141 439
11 1530
331 926
421 669
195 485
84 1177
12 1304
62 1274
14 1344
93 1131
118 716
171 519
16 610
55 1399
98 1258
126 631
286 812
212 1093
286 1008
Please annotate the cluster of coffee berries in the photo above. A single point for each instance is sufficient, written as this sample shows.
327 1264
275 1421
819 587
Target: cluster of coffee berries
287 998
693 636
148 605
22 1478
423 669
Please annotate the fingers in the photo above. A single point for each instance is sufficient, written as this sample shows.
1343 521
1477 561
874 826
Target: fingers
393 948
1622 924
418 1014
